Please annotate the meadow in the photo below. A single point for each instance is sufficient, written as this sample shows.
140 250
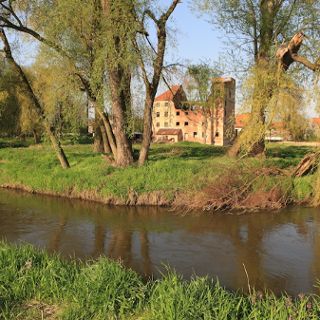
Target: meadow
188 173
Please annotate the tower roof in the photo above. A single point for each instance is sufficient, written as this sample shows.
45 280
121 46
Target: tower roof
169 94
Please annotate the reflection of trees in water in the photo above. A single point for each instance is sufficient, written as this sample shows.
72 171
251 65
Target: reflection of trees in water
246 233
121 249
145 253
99 240
315 268
120 246
55 239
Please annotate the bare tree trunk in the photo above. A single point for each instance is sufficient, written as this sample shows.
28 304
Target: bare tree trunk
119 85
38 108
106 145
147 130
111 139
36 137
152 86
57 147
98 142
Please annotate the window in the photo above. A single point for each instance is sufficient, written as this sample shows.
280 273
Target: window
178 113
158 114
166 104
166 114
217 134
186 123
202 134
157 105
177 124
187 113
158 124
195 134
166 125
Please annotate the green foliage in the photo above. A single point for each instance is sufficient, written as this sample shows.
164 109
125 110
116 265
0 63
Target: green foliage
9 102
200 81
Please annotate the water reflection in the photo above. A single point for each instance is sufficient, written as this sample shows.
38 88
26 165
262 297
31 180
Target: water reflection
279 250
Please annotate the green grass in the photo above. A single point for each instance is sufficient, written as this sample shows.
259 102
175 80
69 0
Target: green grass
182 167
35 285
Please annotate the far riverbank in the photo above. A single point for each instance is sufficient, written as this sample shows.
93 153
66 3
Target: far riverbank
183 176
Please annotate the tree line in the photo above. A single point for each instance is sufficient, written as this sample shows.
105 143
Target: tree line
90 52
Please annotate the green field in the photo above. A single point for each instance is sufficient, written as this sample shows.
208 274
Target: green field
185 169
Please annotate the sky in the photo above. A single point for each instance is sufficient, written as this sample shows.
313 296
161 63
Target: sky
196 39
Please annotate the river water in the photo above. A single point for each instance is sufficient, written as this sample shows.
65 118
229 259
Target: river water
279 250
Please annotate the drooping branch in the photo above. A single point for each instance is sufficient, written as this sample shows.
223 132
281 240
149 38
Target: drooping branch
37 105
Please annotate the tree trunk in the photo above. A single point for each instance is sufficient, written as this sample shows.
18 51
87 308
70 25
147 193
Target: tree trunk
57 147
98 142
111 139
119 85
147 130
106 145
36 137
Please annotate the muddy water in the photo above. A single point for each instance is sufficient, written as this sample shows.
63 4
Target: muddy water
280 250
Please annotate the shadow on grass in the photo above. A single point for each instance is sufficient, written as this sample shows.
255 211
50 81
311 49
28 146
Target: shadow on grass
289 152
13 143
193 151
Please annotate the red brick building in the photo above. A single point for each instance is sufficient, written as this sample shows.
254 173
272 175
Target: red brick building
212 124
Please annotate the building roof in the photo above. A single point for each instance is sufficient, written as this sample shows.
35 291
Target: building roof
278 125
169 132
169 94
315 121
242 120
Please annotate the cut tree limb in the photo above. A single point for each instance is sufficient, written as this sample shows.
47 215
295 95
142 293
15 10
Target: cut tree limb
307 165
288 54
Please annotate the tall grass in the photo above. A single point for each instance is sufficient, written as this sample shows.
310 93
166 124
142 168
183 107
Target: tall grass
35 285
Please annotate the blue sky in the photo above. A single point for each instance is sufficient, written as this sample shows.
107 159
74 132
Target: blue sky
196 39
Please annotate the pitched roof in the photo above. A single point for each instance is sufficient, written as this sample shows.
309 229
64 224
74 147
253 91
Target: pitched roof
169 132
242 120
169 94
315 121
278 125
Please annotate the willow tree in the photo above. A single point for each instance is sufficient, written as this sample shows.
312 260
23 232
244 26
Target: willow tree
100 40
73 30
9 102
256 28
38 107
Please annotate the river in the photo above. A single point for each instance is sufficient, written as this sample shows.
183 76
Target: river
279 250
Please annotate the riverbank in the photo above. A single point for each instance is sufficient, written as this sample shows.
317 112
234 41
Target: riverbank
36 285
184 175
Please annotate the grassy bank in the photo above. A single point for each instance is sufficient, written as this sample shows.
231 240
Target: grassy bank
186 173
34 285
